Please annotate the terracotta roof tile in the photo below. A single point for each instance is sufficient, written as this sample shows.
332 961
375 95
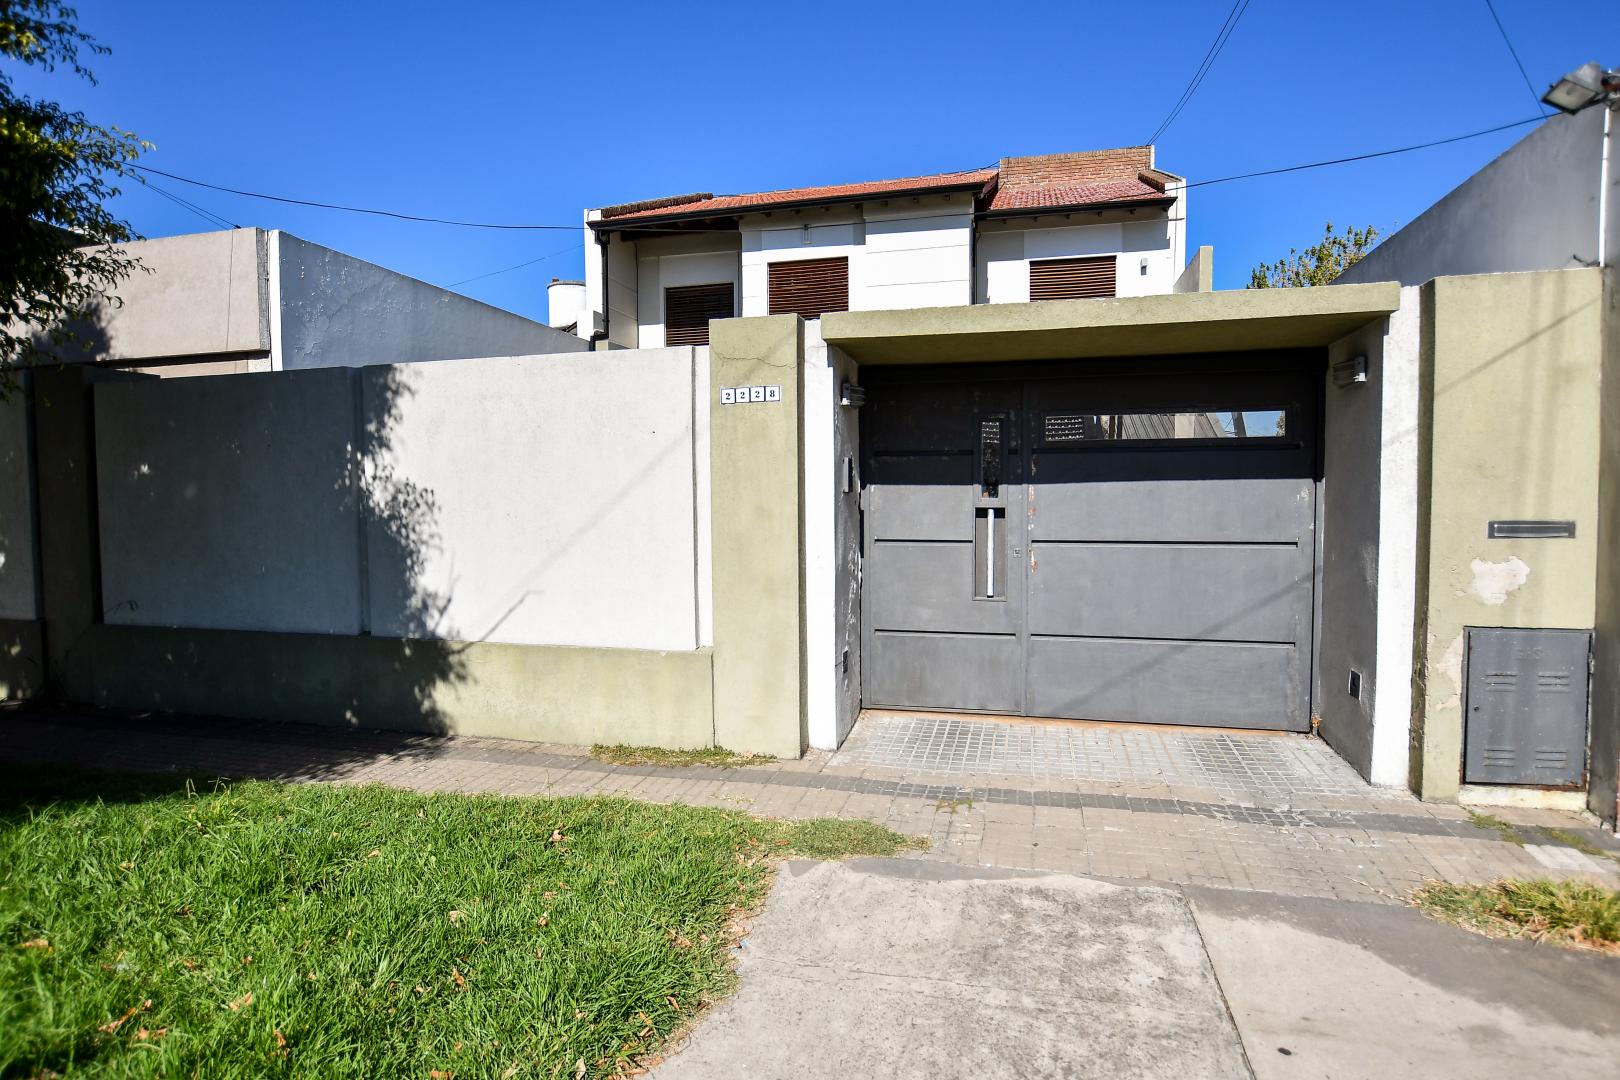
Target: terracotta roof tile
1038 196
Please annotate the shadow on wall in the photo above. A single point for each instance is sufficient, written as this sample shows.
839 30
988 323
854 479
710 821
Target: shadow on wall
398 519
164 656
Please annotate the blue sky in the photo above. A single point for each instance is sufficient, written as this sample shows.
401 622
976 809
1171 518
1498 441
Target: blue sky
528 112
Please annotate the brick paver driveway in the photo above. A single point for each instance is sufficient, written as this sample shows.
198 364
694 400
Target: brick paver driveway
1275 813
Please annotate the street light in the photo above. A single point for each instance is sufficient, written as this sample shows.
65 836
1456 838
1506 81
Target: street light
1585 86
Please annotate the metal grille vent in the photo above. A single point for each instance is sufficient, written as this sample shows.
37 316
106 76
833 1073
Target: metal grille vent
1071 279
809 287
688 309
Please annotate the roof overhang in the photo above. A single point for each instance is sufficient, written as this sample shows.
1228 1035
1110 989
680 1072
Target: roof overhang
624 224
1249 319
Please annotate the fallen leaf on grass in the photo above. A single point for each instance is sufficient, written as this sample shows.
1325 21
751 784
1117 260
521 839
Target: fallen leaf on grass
557 837
37 943
374 853
680 941
579 1069
440 1074
458 978
113 1025
189 965
242 1002
456 917
508 1073
542 920
126 865
143 1034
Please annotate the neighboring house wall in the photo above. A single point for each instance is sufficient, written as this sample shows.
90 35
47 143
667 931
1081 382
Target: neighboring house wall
1533 208
673 263
1147 256
335 310
534 500
198 297
1604 792
909 253
1509 430
1369 560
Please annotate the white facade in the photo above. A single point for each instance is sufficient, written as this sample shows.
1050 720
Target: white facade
903 252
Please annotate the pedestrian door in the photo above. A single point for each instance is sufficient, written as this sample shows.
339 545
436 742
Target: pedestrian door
1114 540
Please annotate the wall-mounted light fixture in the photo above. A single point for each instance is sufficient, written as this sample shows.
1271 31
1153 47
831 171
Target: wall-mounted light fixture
1586 85
852 395
1144 268
1350 372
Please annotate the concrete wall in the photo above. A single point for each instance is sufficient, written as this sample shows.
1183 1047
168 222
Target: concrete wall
1199 274
333 310
19 564
579 696
623 289
539 500
230 503
759 499
194 296
1603 797
1534 208
535 500
1369 537
1509 428
831 545
1146 260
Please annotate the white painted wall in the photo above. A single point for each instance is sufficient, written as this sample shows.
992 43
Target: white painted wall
1369 548
19 595
563 495
665 265
550 500
1146 248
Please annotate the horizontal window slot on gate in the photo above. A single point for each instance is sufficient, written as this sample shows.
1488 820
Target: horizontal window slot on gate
1213 426
882 632
1223 545
1216 642
990 553
934 542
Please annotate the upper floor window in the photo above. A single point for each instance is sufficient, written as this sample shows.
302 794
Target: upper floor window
809 287
1071 279
689 308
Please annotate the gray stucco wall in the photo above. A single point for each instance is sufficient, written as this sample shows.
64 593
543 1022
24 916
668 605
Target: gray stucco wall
1603 791
542 500
339 311
200 295
1533 208
229 503
19 565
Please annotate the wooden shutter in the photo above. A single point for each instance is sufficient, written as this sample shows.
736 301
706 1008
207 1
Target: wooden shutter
1071 279
688 309
809 287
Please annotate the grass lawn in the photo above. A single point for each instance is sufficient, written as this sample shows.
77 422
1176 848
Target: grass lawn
153 928
1564 912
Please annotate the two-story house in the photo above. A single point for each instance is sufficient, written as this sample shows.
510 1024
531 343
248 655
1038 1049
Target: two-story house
1057 226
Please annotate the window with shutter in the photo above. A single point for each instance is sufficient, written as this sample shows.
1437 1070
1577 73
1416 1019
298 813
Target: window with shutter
688 309
809 287
1071 279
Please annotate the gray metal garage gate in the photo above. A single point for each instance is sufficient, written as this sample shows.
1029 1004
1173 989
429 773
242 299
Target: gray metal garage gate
1124 540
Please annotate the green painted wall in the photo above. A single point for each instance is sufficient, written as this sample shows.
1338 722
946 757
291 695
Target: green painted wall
1509 428
758 537
1603 797
564 695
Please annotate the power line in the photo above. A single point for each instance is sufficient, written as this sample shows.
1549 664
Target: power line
1367 157
519 266
1515 54
655 225
1221 37
349 209
207 215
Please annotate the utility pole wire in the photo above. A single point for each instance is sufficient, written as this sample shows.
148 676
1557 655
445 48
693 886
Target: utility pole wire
1515 54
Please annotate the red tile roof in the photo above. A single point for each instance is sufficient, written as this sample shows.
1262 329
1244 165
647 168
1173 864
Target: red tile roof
1050 181
725 205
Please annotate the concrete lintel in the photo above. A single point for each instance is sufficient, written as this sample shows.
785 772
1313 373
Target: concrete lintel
1128 326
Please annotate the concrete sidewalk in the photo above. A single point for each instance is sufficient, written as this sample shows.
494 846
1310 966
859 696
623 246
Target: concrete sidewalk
903 969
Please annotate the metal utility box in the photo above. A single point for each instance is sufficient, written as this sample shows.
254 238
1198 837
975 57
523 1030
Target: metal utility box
1526 707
